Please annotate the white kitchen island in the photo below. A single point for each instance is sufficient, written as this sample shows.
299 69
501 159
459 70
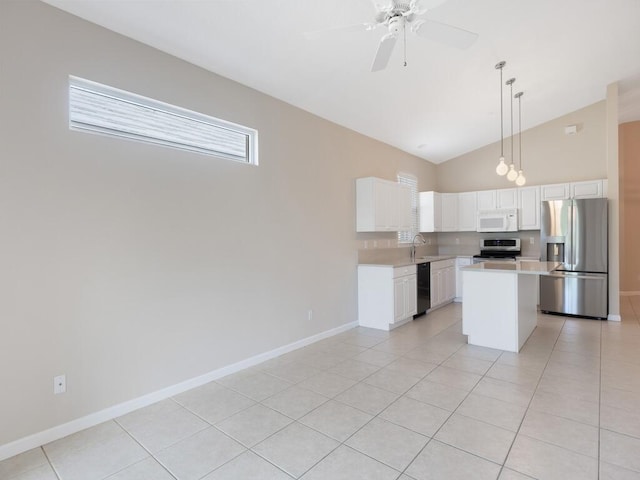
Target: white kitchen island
499 303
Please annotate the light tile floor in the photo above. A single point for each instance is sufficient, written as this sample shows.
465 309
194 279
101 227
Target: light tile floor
417 403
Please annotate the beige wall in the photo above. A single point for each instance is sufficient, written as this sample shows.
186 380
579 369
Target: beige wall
130 267
548 155
630 206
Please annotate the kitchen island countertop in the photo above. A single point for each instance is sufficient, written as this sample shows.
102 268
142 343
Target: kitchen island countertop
520 267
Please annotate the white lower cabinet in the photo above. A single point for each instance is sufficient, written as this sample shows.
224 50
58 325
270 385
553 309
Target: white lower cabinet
387 296
443 282
405 300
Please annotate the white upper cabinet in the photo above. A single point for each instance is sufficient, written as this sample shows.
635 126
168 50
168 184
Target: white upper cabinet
529 208
467 211
430 210
590 189
486 200
449 212
559 191
507 198
564 191
381 205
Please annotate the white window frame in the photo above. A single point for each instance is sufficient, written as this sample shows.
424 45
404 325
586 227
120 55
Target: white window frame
411 181
105 110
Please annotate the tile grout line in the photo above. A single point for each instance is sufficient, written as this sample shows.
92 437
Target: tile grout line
531 400
343 443
53 468
600 406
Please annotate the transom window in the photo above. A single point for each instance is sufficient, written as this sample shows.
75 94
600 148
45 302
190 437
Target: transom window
101 109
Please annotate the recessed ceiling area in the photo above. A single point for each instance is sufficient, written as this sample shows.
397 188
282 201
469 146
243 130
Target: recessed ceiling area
443 103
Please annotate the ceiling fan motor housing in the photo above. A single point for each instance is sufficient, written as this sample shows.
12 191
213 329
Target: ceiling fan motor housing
396 24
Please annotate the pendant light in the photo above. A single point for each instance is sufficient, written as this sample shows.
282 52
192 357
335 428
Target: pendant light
502 168
520 180
512 174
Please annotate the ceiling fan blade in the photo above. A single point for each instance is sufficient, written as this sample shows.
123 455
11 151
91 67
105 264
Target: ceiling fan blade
383 5
443 33
423 5
358 27
384 52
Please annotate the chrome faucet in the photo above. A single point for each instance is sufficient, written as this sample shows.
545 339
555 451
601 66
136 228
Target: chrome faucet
413 245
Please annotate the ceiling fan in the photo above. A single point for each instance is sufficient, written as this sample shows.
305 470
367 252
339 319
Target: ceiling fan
398 15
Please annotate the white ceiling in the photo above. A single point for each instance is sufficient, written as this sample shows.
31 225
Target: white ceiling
445 102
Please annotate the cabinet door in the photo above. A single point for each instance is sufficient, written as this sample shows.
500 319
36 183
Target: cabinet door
590 189
386 206
430 212
559 191
399 307
507 198
435 291
449 212
450 282
442 287
487 200
529 208
467 211
411 295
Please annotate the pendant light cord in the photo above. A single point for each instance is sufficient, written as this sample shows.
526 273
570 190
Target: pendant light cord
501 117
511 95
520 128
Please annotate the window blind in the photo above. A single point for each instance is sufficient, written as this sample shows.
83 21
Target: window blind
412 182
98 108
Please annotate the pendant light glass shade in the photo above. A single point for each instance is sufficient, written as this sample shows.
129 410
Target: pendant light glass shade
513 174
502 168
520 180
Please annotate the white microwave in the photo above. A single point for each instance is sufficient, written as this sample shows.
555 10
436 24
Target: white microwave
504 220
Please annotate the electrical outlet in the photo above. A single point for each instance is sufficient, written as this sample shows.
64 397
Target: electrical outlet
457 241
310 315
375 244
531 241
59 384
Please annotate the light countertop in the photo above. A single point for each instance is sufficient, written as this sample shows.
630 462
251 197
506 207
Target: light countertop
407 261
525 267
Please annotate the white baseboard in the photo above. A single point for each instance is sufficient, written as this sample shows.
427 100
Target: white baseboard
614 318
41 438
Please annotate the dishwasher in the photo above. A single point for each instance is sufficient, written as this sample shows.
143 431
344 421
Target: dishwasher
423 271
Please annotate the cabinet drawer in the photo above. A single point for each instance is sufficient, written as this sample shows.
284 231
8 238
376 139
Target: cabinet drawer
402 271
443 264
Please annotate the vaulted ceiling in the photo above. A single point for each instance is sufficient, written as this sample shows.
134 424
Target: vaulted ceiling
443 103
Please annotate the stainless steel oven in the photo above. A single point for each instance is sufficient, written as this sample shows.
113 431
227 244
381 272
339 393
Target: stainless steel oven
498 250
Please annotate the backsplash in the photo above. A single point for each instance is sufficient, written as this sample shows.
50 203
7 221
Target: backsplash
468 243
381 249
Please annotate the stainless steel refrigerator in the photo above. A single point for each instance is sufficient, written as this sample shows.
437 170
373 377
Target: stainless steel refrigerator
574 232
